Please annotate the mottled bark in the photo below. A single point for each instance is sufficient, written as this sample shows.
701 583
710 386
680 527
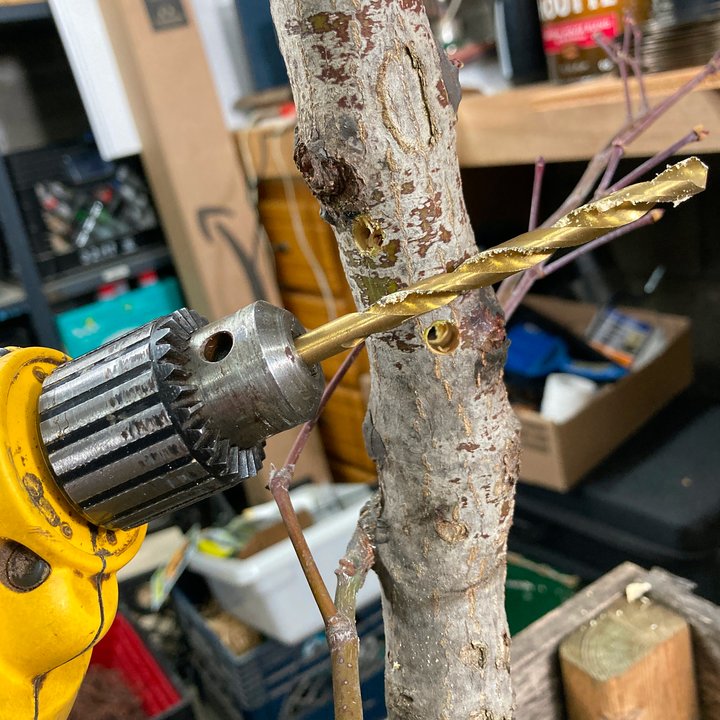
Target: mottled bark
376 144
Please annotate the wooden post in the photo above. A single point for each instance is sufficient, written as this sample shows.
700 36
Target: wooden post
634 662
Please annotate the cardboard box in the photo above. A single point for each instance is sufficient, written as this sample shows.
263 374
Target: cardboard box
194 172
558 456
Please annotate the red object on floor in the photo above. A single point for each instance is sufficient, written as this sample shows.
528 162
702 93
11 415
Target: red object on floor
123 650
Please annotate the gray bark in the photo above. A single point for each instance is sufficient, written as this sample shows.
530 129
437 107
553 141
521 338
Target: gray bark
376 144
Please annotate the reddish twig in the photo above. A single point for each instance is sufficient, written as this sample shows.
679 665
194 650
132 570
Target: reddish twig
624 55
309 426
279 486
600 168
650 219
619 57
636 60
615 156
536 193
695 135
530 277
339 619
656 112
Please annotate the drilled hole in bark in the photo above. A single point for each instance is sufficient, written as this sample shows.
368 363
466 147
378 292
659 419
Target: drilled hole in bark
367 234
218 346
442 337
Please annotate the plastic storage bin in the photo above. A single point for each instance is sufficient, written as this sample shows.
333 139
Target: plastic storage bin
268 590
85 328
123 649
276 681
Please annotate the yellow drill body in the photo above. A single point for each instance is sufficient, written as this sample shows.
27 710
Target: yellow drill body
47 632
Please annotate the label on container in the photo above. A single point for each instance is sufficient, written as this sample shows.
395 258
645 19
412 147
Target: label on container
166 14
579 32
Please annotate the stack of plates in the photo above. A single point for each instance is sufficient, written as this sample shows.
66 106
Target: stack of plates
681 33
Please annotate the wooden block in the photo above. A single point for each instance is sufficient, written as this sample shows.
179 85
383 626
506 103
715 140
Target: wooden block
634 662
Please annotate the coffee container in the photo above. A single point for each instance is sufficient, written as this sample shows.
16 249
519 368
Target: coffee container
569 28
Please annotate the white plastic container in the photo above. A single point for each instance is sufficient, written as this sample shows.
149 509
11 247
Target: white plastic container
268 590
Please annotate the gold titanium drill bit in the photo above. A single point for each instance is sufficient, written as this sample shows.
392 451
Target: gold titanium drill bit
674 185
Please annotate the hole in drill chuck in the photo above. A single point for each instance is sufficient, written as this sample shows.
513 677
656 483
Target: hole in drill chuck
218 346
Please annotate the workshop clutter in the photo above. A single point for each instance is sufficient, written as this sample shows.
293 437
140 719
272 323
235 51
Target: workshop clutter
126 681
81 211
273 680
266 590
631 627
557 453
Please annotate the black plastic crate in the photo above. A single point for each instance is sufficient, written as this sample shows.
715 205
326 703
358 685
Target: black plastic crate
276 681
79 167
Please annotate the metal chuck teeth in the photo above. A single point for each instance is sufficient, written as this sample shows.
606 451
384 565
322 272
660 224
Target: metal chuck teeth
216 453
124 433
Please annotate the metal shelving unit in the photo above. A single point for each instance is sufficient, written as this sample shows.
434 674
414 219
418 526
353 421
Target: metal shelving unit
18 245
32 295
24 12
87 280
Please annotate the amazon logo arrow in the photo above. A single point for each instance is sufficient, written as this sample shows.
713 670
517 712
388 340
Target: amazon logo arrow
210 221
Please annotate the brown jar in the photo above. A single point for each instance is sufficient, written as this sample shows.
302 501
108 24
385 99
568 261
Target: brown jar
569 27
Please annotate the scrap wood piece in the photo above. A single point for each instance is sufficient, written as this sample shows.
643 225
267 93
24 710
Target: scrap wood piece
633 662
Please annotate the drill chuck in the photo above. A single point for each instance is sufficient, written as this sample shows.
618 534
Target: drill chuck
174 412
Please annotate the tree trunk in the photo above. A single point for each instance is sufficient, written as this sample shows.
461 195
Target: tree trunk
376 144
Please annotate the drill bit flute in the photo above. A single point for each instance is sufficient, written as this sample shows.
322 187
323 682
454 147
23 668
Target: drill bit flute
589 222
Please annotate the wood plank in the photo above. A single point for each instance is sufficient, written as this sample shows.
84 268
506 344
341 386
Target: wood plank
562 123
704 619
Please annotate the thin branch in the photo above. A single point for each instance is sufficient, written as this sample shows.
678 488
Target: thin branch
309 426
345 660
525 283
695 135
615 156
359 557
530 277
598 167
646 120
650 219
636 60
623 65
279 486
619 57
536 193
344 645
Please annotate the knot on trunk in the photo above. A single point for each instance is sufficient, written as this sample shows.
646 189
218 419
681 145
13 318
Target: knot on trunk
333 181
